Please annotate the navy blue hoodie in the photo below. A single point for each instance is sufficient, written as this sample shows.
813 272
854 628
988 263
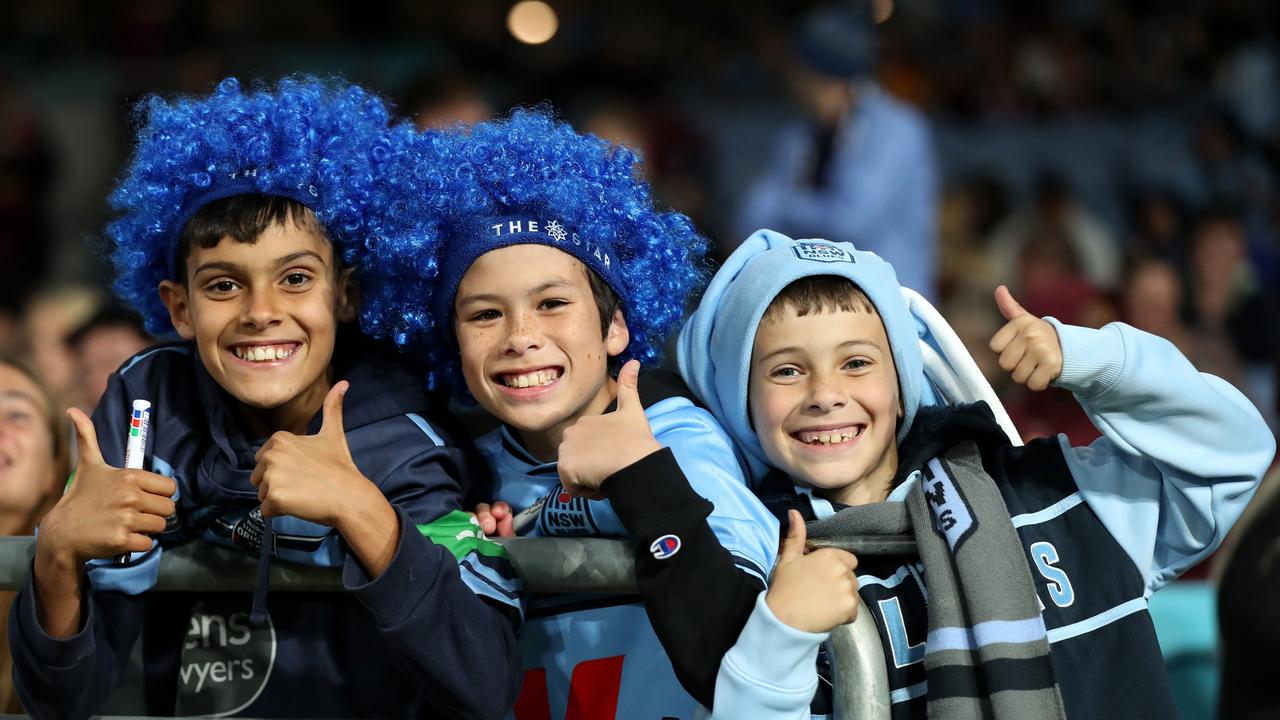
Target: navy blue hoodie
432 636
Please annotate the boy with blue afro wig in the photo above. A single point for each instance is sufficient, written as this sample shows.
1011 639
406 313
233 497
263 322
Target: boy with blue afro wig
274 428
533 262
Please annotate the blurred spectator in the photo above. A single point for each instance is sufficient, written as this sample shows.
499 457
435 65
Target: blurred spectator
1049 279
50 317
1230 309
446 97
1055 213
9 335
1158 224
98 348
1152 301
968 212
33 466
1230 170
861 170
675 155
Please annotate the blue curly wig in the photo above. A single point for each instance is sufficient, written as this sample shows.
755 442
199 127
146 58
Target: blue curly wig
323 143
531 164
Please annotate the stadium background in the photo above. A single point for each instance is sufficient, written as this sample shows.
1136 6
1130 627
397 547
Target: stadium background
1150 129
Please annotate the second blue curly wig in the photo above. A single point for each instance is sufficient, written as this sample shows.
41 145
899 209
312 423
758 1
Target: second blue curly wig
324 143
528 162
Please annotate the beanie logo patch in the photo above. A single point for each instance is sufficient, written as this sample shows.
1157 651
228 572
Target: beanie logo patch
821 252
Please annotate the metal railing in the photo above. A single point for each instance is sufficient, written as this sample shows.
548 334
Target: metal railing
545 565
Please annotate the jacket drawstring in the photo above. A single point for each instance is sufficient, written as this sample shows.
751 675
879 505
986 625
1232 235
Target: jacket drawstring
258 615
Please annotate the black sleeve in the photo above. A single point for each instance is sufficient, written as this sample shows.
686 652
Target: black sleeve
697 598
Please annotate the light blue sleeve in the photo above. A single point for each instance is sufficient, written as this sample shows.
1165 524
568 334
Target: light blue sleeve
705 453
1181 452
133 578
771 673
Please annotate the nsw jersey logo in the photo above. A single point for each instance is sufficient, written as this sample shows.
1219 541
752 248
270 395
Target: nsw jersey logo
565 515
665 546
821 252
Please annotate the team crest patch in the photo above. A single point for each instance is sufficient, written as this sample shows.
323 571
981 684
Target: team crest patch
665 546
952 515
821 252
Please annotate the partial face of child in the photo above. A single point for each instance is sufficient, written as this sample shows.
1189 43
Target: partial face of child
27 462
532 352
264 316
824 401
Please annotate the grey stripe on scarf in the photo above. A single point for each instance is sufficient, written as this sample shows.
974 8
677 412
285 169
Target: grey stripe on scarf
987 655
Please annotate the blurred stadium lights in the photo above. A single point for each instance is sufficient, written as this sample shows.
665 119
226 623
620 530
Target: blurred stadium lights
881 10
532 22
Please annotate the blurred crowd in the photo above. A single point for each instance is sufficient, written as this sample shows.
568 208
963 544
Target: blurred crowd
1107 160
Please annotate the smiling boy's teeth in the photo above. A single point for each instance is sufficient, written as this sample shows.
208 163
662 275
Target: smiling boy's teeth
829 437
537 378
263 353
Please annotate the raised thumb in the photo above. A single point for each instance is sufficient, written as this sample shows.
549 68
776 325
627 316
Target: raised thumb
331 421
628 391
1009 307
793 543
87 451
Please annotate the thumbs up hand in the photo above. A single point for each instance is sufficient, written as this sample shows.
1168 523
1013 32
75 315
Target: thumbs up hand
311 477
1027 345
597 446
106 511
812 591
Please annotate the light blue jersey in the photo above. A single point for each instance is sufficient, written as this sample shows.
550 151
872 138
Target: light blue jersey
602 650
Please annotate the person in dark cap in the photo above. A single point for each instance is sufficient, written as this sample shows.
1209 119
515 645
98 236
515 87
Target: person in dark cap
860 168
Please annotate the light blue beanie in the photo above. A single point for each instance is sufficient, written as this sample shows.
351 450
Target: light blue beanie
714 349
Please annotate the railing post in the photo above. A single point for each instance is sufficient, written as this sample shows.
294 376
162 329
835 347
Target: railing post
860 682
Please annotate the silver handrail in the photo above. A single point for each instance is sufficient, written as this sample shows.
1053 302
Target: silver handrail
545 565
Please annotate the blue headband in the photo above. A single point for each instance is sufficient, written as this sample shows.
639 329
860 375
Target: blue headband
220 188
473 239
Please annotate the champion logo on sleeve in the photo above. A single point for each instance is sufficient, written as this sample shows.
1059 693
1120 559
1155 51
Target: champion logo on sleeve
665 546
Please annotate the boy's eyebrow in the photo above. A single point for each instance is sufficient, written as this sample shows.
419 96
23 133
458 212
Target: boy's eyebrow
557 282
293 257
225 266
490 297
845 344
220 265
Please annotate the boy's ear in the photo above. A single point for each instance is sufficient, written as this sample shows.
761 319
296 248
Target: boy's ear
618 337
347 301
174 297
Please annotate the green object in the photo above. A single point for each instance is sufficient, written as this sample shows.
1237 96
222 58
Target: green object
460 534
